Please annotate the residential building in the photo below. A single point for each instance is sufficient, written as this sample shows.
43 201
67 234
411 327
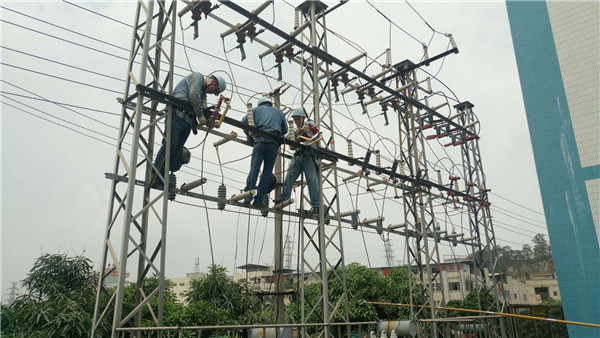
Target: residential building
459 277
541 286
261 277
556 47
112 280
181 285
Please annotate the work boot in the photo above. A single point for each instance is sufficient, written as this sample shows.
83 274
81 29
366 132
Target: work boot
278 200
186 156
260 205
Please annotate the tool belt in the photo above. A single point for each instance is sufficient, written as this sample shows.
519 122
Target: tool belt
189 118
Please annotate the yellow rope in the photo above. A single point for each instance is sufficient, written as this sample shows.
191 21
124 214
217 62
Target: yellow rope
492 313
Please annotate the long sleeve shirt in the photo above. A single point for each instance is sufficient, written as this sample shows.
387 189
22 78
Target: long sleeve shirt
191 89
309 133
268 118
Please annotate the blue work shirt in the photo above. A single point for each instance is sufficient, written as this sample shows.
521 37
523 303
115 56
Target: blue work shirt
268 118
191 89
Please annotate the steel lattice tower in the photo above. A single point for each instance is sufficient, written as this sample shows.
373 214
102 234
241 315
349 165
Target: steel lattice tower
325 241
423 255
480 219
131 220
154 38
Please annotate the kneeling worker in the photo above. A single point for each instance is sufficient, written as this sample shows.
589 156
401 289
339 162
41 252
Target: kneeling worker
272 120
192 88
304 160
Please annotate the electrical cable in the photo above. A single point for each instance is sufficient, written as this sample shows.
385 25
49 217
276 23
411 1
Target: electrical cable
517 204
60 104
60 78
58 124
391 22
203 156
74 111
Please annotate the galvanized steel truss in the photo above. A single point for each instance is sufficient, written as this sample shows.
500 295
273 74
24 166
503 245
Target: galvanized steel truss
143 221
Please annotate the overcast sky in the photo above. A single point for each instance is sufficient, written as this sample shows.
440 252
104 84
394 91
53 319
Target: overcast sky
54 194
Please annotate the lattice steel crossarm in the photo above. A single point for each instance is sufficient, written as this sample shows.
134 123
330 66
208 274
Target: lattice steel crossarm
154 25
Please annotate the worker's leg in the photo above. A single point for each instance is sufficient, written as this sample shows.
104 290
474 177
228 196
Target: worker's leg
294 170
178 130
255 162
270 154
312 180
181 132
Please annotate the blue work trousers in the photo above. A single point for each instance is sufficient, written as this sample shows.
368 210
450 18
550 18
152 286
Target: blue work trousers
262 152
308 164
179 134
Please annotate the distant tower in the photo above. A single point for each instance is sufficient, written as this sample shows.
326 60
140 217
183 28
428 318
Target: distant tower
197 264
289 250
12 296
389 254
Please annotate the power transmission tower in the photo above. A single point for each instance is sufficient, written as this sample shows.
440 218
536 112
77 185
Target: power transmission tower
129 218
289 253
480 219
12 296
197 265
390 258
423 255
326 242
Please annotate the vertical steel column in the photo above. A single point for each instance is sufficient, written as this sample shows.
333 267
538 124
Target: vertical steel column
423 256
325 240
146 46
480 217
278 273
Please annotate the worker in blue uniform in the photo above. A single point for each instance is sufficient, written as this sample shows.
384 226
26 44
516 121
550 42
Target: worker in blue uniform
304 160
264 150
192 88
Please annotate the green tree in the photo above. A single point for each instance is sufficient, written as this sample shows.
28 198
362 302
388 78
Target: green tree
549 308
541 248
217 299
58 302
363 285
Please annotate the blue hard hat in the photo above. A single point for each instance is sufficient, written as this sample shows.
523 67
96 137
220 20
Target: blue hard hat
298 112
263 101
221 82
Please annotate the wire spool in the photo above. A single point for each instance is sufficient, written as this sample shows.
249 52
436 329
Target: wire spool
172 184
222 195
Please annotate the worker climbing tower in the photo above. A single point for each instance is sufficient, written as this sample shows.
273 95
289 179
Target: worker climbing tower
136 228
